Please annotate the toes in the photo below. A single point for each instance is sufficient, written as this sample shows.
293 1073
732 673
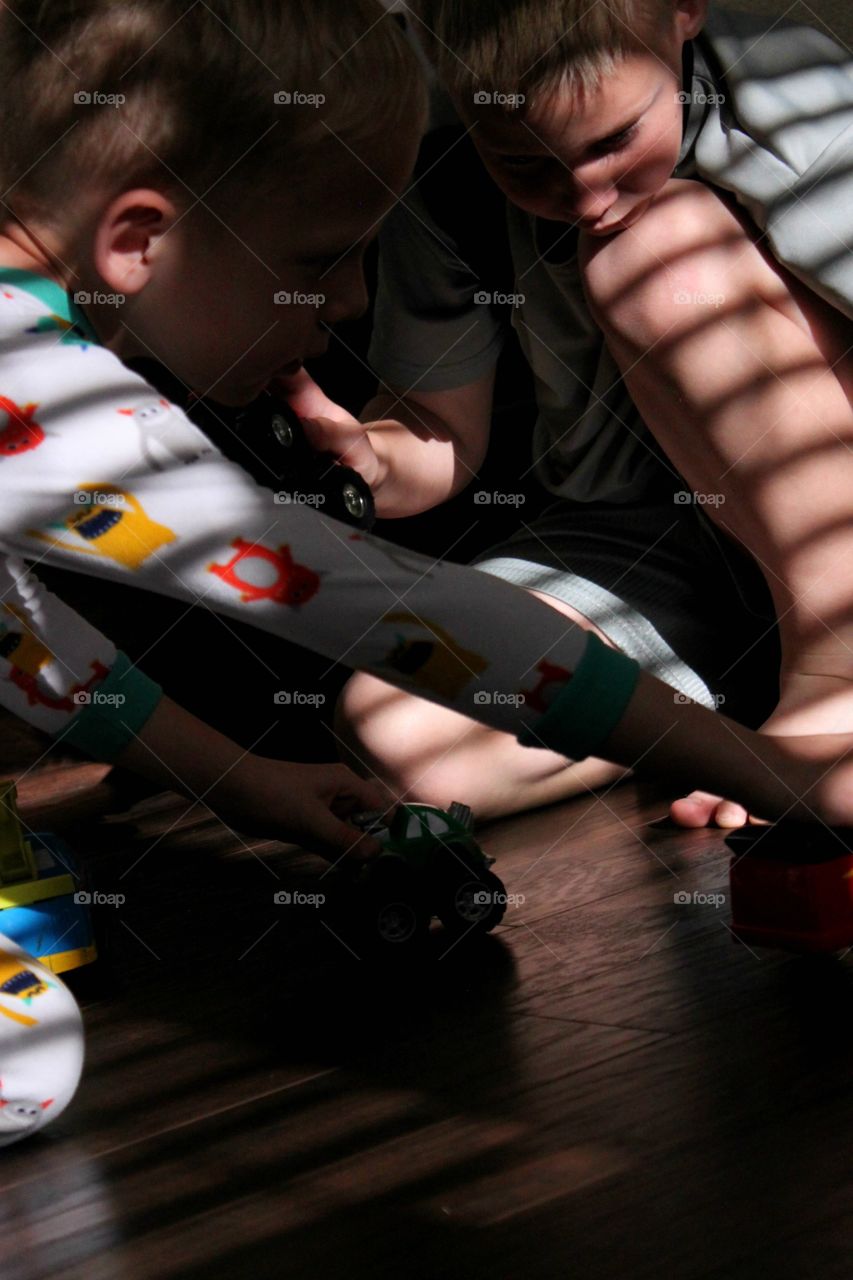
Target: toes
729 814
696 810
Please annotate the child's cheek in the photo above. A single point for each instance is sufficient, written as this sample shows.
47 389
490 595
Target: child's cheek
653 167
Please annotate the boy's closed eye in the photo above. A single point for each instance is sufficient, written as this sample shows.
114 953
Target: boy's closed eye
615 141
604 146
522 162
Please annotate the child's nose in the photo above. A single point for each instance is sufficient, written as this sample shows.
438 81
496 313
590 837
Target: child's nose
589 205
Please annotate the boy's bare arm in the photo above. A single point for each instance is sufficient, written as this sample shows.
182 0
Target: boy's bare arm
420 447
807 779
749 388
747 378
300 803
431 444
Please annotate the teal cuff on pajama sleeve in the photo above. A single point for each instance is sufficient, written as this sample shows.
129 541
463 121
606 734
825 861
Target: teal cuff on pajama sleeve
125 701
589 707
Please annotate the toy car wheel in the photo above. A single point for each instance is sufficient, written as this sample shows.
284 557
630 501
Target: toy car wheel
397 921
469 897
347 496
393 911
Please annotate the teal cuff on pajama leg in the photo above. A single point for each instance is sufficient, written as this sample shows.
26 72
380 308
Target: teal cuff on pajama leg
120 706
584 714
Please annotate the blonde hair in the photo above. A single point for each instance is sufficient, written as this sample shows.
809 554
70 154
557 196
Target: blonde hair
517 48
118 93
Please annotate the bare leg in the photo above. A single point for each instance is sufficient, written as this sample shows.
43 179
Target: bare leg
426 753
745 378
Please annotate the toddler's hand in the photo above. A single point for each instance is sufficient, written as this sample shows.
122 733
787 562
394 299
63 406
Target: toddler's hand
329 428
306 398
348 440
304 804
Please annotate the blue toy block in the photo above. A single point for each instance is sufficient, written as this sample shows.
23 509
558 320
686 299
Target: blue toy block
41 914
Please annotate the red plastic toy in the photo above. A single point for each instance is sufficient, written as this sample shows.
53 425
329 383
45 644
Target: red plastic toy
792 886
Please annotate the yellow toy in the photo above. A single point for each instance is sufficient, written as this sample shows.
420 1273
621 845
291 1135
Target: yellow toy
17 861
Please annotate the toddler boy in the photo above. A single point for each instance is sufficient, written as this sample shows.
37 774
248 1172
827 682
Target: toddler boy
172 177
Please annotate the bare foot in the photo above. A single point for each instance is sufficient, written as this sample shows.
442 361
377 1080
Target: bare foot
810 705
702 809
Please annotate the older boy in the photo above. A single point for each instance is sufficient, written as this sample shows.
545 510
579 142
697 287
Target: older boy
735 380
96 474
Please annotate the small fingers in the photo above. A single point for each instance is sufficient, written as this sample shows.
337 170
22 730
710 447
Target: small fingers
305 398
354 794
336 839
324 435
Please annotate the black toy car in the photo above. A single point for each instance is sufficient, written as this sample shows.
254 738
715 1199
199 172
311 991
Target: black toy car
266 438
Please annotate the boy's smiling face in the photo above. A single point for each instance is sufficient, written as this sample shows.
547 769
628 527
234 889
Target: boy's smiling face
596 160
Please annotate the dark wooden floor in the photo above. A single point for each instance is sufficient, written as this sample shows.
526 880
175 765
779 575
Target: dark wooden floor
608 1087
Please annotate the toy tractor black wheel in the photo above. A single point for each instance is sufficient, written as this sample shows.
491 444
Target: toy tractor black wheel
468 897
393 912
347 497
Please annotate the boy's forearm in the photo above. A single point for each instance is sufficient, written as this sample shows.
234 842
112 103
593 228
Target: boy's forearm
423 465
682 743
181 753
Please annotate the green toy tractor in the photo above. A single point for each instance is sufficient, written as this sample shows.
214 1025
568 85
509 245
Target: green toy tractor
430 865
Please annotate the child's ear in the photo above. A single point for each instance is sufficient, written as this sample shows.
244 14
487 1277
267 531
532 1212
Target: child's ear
128 236
690 17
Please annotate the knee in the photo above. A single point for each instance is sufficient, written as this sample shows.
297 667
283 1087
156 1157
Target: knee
419 750
362 703
668 272
379 730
